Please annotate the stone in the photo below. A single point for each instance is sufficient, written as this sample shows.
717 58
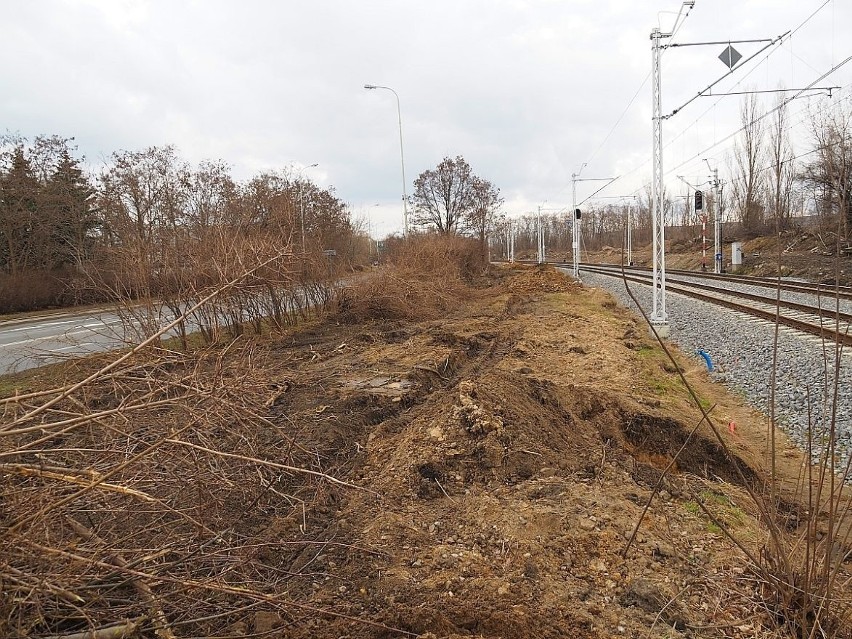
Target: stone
663 549
265 621
650 597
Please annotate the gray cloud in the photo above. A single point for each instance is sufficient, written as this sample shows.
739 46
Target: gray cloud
525 90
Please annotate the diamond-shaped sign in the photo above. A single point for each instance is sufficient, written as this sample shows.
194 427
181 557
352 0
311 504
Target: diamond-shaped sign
730 57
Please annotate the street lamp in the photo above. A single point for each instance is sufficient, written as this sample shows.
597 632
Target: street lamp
302 200
401 154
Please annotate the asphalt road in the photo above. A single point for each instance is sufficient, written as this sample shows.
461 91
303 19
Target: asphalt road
34 341
38 340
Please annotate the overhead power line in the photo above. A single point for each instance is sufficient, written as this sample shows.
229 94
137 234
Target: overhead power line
620 118
679 135
762 116
678 24
772 42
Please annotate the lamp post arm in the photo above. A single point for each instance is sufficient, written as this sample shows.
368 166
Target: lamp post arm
402 162
401 151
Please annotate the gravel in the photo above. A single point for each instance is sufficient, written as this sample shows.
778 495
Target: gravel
741 351
824 301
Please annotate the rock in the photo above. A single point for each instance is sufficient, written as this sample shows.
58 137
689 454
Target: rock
265 621
597 565
547 472
530 569
587 524
650 597
663 549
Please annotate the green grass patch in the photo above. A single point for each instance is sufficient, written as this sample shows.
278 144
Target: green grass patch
725 511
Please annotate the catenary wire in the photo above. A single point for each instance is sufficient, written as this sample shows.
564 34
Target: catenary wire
683 132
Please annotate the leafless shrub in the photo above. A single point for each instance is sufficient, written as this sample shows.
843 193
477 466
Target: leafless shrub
161 490
423 277
801 575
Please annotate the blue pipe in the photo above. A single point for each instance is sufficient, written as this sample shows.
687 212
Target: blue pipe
707 359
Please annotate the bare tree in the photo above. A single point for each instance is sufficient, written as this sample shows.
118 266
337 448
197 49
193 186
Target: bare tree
443 196
782 173
142 196
830 175
485 203
749 158
210 194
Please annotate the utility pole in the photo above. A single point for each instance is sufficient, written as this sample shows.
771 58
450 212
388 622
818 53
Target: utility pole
659 317
541 256
703 241
401 154
576 216
630 234
720 252
717 225
575 224
729 57
508 240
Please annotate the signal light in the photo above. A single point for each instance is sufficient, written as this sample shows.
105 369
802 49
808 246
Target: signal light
699 200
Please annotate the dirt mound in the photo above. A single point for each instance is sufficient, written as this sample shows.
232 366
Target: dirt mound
476 474
542 279
390 295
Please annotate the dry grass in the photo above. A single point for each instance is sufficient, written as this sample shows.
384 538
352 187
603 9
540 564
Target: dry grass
801 582
422 278
147 495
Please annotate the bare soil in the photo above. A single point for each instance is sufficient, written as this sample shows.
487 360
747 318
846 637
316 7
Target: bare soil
503 454
507 451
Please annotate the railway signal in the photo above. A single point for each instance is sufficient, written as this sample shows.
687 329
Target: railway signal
699 200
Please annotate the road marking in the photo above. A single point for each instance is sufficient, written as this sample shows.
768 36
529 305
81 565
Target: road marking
81 345
37 325
47 337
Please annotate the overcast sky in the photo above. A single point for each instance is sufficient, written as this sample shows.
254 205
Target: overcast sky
526 91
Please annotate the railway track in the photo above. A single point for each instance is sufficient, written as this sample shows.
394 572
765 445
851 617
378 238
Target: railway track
806 318
808 288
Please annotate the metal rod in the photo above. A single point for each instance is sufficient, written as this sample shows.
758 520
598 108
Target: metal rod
710 95
701 44
730 71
